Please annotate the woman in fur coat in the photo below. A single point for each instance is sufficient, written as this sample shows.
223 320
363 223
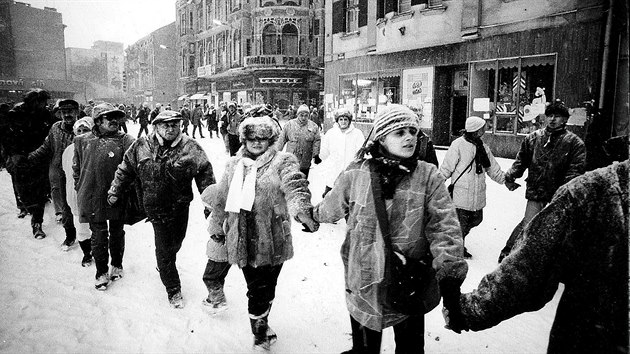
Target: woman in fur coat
250 222
420 226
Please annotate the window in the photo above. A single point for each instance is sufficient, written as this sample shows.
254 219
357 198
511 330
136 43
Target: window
209 14
200 25
248 47
191 66
270 40
352 15
290 40
183 59
404 5
190 23
182 24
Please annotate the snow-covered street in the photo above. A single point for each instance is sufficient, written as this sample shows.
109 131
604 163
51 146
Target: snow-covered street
49 304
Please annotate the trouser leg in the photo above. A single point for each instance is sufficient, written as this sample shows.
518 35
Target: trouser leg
409 335
100 243
116 242
214 274
364 340
261 288
169 235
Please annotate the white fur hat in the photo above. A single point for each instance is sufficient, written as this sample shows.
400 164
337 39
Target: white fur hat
392 117
259 127
474 123
303 108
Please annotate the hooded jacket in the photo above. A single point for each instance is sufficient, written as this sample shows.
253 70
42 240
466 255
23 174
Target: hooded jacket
338 149
422 222
580 239
164 174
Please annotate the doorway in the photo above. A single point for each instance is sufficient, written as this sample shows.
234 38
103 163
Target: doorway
451 103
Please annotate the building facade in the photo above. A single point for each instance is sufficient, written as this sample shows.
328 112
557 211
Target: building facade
32 53
497 59
251 51
151 73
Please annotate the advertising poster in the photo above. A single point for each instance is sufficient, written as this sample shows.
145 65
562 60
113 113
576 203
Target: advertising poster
418 93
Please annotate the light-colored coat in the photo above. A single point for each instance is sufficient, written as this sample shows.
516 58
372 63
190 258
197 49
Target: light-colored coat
422 221
281 192
470 190
338 150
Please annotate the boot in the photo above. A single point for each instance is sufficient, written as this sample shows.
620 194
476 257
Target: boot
37 231
259 329
71 237
86 247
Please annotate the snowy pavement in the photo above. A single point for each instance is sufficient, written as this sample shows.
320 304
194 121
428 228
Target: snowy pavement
49 303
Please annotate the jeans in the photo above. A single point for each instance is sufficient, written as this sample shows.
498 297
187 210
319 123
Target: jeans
214 274
195 127
169 235
408 335
106 239
469 219
261 288
143 127
532 208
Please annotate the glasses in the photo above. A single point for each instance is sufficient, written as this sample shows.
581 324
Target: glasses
172 125
258 140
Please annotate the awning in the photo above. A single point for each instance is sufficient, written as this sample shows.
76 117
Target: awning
182 97
198 96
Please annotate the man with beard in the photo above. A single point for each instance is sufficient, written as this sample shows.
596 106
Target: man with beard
29 123
59 138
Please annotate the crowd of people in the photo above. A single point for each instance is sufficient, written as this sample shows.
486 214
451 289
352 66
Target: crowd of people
400 216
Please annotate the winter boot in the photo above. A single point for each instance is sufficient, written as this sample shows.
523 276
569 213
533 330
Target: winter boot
116 273
215 302
38 233
71 238
22 214
259 329
59 218
176 300
86 247
102 281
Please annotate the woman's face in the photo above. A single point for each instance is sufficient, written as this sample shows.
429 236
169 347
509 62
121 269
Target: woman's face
82 129
401 143
344 122
256 146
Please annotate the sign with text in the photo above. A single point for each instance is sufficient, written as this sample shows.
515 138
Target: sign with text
417 93
277 60
280 80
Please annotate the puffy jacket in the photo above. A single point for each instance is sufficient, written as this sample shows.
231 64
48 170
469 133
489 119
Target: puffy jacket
303 141
470 190
553 159
58 139
165 174
96 158
338 149
580 239
422 222
281 192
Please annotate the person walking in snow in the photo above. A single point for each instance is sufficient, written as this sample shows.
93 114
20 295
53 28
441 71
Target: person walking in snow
197 116
553 156
231 121
154 113
59 138
211 120
29 123
466 163
579 239
339 146
143 118
185 112
398 208
301 135
83 234
96 157
261 189
165 164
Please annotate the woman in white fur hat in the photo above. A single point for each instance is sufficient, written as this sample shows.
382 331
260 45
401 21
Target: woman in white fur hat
250 223
397 208
466 163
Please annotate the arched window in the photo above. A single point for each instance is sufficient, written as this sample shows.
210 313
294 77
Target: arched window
290 40
270 45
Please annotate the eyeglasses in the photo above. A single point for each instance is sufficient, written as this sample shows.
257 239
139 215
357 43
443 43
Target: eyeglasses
172 125
256 139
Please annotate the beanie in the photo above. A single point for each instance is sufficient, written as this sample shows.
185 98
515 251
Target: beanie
474 123
393 117
343 112
303 108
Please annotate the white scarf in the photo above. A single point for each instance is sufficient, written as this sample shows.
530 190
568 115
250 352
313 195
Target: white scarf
243 186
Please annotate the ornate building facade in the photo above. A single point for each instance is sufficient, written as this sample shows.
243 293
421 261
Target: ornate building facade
251 51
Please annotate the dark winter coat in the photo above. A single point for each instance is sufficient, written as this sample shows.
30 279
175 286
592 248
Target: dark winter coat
154 113
197 116
233 120
581 240
96 158
425 149
303 141
143 116
281 192
553 159
421 209
165 173
58 139
185 112
27 130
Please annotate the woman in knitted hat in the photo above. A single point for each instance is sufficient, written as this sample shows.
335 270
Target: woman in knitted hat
250 223
466 163
398 212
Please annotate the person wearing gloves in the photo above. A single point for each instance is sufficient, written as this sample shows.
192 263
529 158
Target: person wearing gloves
466 163
250 226
580 239
397 208
96 157
83 235
165 163
301 135
340 145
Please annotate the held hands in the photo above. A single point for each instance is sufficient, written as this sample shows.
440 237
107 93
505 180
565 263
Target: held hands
511 185
218 238
452 310
306 219
317 160
112 199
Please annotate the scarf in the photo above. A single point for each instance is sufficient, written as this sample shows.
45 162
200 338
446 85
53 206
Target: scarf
392 170
243 186
481 157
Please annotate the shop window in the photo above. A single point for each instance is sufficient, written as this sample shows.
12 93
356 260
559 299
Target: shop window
270 40
352 15
290 40
404 5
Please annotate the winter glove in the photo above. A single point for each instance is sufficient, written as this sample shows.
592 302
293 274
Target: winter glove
112 199
218 238
452 313
306 219
317 159
509 177
511 185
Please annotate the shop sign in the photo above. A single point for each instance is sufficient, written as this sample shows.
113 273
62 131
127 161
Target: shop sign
280 80
223 85
19 83
277 60
417 93
206 70
238 84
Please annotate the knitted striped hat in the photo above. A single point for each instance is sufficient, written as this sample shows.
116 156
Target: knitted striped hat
392 117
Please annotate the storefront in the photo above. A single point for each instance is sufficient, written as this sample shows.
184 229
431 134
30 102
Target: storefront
13 89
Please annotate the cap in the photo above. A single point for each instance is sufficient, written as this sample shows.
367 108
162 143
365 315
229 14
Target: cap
474 123
106 110
68 104
393 117
167 116
303 108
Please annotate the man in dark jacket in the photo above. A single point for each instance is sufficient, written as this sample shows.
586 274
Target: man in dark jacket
155 112
185 112
96 157
59 138
553 156
29 123
143 117
581 240
197 116
165 163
